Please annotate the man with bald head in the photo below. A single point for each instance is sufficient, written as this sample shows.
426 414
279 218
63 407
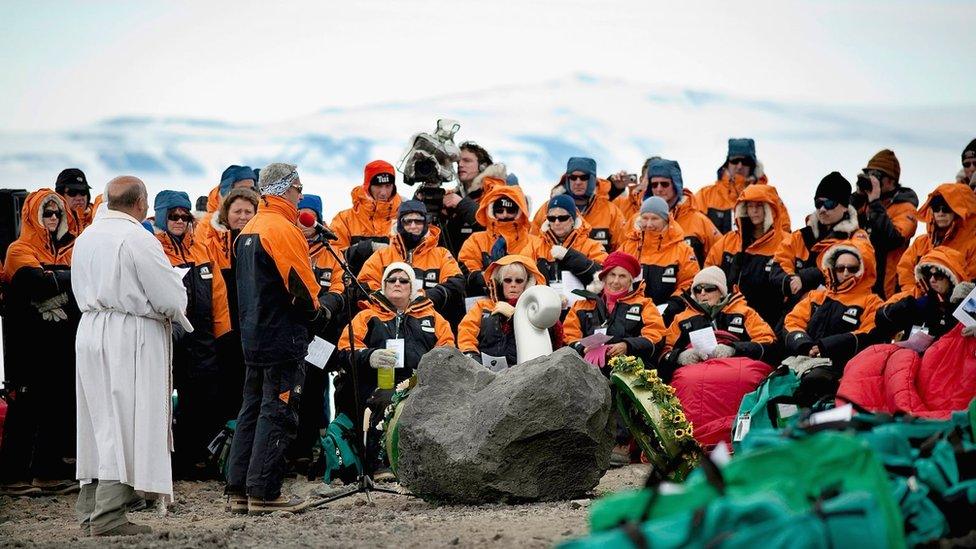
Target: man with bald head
130 297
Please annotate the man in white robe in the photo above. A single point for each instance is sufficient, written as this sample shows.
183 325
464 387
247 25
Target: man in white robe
129 297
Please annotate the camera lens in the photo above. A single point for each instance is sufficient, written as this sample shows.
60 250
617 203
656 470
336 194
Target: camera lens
425 168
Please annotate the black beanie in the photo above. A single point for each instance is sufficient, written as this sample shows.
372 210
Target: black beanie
835 187
411 206
970 151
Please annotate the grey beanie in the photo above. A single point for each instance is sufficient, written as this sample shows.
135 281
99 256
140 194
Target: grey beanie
655 205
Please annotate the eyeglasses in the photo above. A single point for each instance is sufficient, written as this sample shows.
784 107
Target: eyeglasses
662 184
74 192
412 221
297 187
825 203
51 213
574 177
559 218
853 269
398 280
704 289
969 164
743 161
513 280
186 218
507 209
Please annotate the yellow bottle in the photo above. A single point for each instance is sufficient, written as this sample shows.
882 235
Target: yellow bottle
385 378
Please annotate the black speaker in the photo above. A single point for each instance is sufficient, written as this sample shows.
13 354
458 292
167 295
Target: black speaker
11 202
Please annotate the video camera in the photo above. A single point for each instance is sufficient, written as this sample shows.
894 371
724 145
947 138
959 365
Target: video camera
430 161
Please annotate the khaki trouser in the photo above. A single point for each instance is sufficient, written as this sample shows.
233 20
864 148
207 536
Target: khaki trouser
102 504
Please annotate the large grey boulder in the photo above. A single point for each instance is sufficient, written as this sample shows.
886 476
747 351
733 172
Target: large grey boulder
538 431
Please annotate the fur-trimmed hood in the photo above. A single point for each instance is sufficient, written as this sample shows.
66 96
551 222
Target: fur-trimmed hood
863 280
497 172
848 224
944 259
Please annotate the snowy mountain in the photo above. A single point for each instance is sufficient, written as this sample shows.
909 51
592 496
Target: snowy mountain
533 129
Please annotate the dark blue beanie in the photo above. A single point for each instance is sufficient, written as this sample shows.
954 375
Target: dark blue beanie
742 146
565 202
312 202
585 165
661 167
233 174
166 201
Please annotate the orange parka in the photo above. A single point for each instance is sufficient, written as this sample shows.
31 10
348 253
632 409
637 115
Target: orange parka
584 256
960 235
368 219
718 199
607 222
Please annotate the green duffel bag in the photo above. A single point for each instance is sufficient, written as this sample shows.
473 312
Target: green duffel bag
800 471
770 406
339 456
762 519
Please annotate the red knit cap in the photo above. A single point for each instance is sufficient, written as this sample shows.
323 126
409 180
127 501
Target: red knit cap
375 168
621 259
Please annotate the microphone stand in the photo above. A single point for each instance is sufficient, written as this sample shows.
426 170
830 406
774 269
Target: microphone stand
364 483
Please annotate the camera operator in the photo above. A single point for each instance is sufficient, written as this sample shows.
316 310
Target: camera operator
967 175
627 190
461 204
365 227
887 211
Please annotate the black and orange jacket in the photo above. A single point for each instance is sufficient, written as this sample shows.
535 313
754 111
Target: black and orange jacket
748 262
80 218
920 306
960 236
667 262
420 326
481 331
206 299
584 256
839 318
475 254
719 199
755 339
700 232
366 220
277 291
891 222
433 265
38 268
607 222
799 253
634 320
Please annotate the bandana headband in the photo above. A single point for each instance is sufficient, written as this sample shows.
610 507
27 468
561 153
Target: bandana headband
279 187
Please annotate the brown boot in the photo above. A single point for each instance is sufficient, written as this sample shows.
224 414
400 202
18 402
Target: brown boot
288 504
56 487
126 529
236 504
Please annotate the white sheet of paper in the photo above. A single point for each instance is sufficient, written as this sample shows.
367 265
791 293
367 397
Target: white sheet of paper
595 340
966 311
319 351
494 363
661 308
703 340
570 283
470 301
398 345
840 413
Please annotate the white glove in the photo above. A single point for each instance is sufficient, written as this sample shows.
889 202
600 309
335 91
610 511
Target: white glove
961 291
377 246
691 356
383 358
723 351
503 308
51 303
969 331
54 315
559 252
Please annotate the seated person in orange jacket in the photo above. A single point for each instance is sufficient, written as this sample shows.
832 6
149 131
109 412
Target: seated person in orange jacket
928 307
415 242
487 328
710 305
797 270
949 215
504 215
834 322
569 247
365 227
746 255
614 305
592 200
664 180
667 262
740 170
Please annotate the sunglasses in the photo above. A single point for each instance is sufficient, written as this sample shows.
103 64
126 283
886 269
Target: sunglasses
297 187
704 289
506 209
559 218
513 280
574 177
412 221
51 213
969 164
942 208
662 184
75 192
186 218
740 161
934 273
853 269
825 203
398 280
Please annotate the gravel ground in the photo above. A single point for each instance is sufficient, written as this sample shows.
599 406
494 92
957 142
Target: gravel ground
197 519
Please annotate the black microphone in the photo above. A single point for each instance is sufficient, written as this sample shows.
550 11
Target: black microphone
307 219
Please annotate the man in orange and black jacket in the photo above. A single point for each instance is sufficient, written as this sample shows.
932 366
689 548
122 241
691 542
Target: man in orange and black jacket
277 298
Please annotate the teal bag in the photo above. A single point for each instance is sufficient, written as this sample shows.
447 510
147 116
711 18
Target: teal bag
339 451
770 406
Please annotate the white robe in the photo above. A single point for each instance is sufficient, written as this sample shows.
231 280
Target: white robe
129 295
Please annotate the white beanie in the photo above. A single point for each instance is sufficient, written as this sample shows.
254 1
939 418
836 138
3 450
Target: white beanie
408 270
713 276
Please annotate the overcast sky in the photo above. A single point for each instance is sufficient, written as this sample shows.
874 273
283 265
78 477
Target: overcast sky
64 64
